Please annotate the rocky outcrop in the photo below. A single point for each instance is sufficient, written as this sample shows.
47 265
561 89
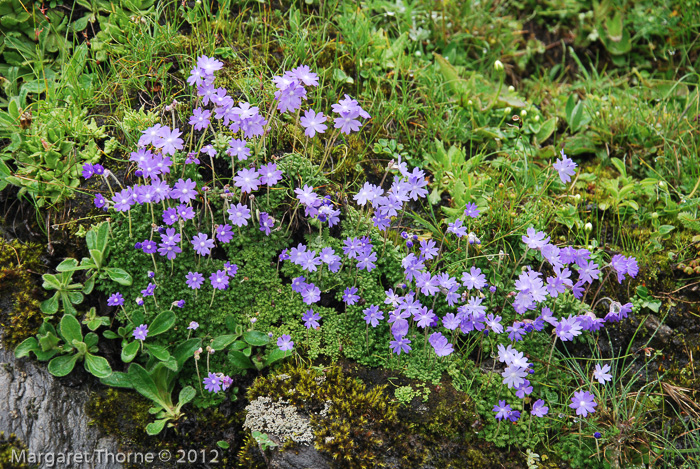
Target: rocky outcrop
50 417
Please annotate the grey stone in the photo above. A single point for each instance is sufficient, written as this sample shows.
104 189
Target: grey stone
47 416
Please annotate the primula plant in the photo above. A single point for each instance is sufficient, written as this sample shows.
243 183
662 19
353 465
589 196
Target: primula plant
223 249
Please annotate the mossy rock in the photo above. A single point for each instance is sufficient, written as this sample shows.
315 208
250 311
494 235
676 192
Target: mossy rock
359 425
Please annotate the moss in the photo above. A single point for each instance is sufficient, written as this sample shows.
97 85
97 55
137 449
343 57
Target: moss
119 413
9 446
19 306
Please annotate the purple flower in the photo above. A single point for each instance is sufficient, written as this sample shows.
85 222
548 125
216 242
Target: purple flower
219 280
400 344
285 343
123 200
212 383
565 167
310 293
170 141
306 196
304 74
179 303
457 229
202 244
514 376
141 332
170 216
139 301
440 344
474 279
224 233
100 201
365 260
535 239
200 119
372 315
424 317
247 180
539 409
428 249
209 65
88 171
193 325
150 289
368 193
471 210
568 328
494 323
239 214
516 332
310 319
184 191
149 247
266 223
502 410
349 296
238 149
601 373
269 174
583 402
313 123
170 251
231 269
115 299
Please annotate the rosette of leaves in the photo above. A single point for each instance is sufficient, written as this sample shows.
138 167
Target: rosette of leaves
156 381
97 240
47 346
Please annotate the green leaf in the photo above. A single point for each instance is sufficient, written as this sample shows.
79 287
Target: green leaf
256 338
61 366
239 360
156 427
26 347
666 229
70 329
186 395
110 335
98 366
97 257
118 380
277 355
67 265
144 384
120 276
129 352
51 282
222 444
163 322
161 353
50 306
185 351
546 130
223 341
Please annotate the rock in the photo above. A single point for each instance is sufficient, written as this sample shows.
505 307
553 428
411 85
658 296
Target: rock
47 416
662 331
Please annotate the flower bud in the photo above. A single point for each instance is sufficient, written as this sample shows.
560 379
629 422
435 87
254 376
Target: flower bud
588 227
498 66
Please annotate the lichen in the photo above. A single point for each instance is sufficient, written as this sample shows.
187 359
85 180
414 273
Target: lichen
279 419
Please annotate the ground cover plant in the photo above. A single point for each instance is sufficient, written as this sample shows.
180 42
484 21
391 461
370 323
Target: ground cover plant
494 204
